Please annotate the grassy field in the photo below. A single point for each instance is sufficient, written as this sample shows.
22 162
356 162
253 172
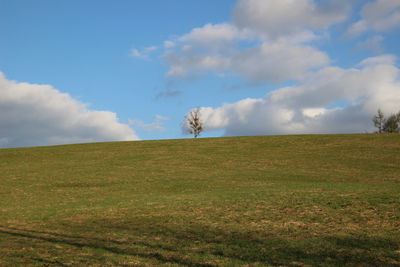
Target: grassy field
313 200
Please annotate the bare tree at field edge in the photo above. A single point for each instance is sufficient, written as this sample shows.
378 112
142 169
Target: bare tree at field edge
379 120
387 125
194 123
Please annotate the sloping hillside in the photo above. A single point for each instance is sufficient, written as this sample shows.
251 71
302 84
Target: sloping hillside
331 200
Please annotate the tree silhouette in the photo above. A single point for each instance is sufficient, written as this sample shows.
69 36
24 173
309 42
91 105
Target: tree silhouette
379 120
194 123
392 124
387 125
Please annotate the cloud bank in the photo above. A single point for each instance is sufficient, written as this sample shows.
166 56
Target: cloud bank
265 42
33 115
224 49
331 100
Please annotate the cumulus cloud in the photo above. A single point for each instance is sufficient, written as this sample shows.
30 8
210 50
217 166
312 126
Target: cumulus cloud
212 35
357 28
217 48
332 100
156 125
32 115
379 16
273 19
277 62
267 41
382 15
143 53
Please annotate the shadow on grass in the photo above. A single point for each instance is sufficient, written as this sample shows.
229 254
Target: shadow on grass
248 246
201 245
81 241
49 262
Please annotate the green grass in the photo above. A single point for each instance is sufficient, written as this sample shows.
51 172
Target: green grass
313 200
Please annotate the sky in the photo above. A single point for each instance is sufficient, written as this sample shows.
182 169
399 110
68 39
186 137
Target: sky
76 71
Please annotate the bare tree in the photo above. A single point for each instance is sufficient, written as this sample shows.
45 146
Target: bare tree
387 125
379 120
392 124
194 125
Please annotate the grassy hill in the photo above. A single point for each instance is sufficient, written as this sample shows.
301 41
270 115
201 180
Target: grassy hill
313 200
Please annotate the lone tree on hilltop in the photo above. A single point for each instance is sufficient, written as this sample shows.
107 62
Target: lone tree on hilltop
193 123
387 125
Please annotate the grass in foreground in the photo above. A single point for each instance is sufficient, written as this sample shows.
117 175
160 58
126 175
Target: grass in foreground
323 200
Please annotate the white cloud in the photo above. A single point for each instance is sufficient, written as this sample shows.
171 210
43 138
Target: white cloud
313 112
311 106
267 41
188 61
136 53
168 44
217 48
357 28
383 59
379 16
273 19
156 125
32 115
212 35
382 15
151 48
277 62
144 53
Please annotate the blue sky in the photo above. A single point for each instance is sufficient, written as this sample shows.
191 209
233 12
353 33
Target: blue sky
147 63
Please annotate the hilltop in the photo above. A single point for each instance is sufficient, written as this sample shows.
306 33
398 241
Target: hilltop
331 200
